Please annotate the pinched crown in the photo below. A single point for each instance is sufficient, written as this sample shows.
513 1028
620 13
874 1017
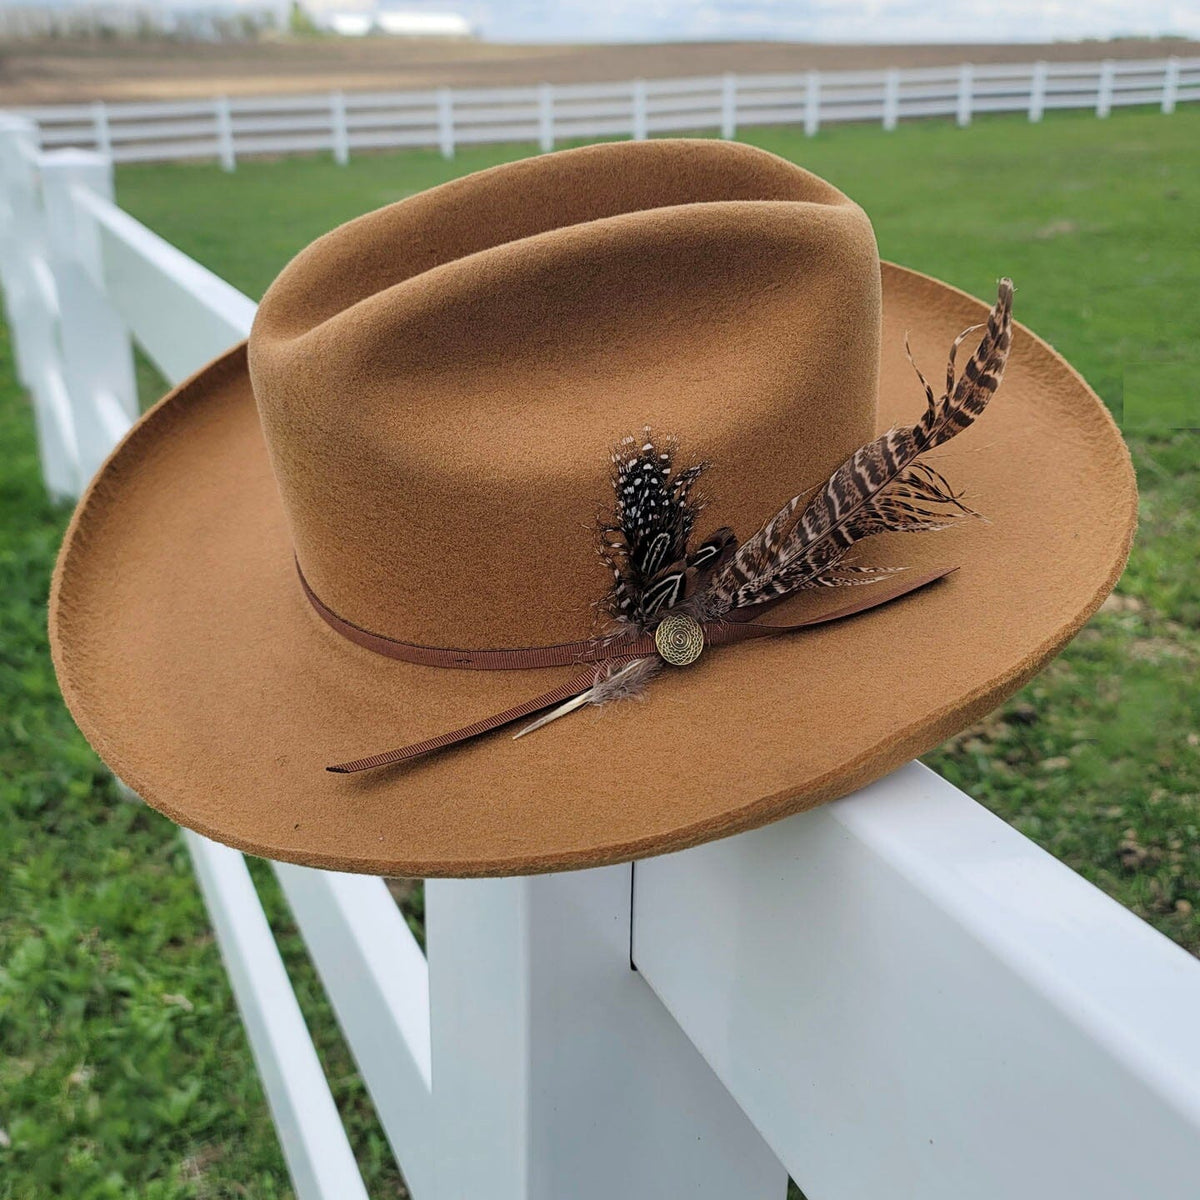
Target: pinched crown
440 381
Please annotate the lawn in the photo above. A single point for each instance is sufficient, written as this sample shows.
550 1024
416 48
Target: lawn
123 1067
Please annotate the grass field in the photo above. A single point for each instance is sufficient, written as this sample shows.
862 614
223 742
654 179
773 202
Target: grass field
123 1068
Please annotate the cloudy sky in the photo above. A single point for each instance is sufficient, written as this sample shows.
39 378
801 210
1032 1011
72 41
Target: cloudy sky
822 20
782 20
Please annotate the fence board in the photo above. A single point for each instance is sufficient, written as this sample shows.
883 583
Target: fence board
167 151
377 979
390 139
446 117
180 312
148 131
418 99
314 1143
399 118
908 998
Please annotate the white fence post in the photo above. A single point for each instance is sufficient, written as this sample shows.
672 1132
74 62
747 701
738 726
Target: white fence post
966 86
729 106
338 129
891 98
1170 85
20 238
546 117
97 355
1105 89
445 113
223 115
31 306
100 128
556 1072
638 110
812 103
314 1142
1037 91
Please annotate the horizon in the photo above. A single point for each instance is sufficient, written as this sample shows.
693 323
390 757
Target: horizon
865 22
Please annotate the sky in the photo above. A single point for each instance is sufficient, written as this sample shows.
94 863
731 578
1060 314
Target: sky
787 20
825 20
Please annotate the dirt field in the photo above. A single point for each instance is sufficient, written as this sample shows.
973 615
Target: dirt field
55 71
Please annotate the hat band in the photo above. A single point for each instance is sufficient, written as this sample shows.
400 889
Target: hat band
602 652
562 654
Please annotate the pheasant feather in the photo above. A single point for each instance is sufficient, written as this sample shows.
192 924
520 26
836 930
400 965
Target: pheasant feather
882 487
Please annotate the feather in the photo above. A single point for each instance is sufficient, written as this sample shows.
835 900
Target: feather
645 544
623 681
882 487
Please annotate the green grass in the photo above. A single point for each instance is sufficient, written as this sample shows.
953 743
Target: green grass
123 1067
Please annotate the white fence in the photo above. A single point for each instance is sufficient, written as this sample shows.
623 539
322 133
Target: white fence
894 995
343 122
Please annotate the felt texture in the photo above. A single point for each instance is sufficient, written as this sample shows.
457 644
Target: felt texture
441 382
439 385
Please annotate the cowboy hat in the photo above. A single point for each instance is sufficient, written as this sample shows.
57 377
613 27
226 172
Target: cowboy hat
317 547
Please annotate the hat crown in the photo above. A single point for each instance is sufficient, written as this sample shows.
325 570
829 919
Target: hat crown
441 382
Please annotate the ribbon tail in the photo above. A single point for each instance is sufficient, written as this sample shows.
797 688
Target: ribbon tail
566 691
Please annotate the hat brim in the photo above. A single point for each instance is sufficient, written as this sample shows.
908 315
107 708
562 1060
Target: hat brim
192 662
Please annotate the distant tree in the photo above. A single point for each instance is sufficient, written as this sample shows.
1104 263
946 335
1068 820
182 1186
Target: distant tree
299 21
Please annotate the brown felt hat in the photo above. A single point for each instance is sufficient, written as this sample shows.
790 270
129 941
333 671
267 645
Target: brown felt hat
422 422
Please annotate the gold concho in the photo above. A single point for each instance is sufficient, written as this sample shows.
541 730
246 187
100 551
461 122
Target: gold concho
679 639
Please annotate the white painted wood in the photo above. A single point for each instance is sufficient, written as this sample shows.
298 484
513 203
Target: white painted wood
314 1142
223 116
20 231
1104 91
638 110
150 131
338 129
180 312
910 999
281 125
377 980
54 421
703 85
556 1072
96 353
445 111
966 87
1037 92
729 120
100 126
546 117
1170 89
891 98
812 103
31 306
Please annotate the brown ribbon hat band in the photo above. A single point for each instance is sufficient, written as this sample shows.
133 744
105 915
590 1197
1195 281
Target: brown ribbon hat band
602 654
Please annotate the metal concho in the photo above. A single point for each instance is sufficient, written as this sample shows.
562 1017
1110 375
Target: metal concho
679 639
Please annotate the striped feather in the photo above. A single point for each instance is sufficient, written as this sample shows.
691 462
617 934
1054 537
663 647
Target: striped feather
882 487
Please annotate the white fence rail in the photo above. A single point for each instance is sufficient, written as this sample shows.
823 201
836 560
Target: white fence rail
894 995
344 122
